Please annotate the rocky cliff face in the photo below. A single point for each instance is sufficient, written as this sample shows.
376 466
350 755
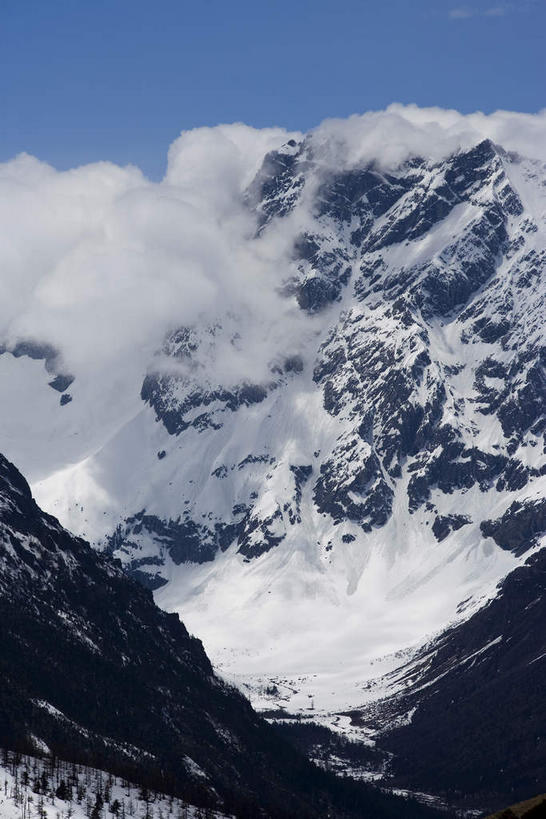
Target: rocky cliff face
428 363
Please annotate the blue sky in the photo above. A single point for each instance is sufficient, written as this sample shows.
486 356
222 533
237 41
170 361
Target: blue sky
82 80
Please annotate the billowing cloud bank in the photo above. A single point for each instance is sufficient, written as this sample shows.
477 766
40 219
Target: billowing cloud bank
389 137
100 262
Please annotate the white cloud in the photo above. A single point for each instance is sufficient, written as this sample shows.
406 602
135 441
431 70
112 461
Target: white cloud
461 13
391 136
496 11
100 261
467 12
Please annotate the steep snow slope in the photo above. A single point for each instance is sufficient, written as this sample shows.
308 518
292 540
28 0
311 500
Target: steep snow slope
321 486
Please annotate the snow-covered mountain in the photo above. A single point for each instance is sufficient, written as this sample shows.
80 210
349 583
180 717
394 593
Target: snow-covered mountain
322 474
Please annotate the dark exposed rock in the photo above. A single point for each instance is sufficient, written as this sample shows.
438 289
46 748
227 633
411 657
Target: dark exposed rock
449 465
41 351
315 293
301 476
525 406
255 459
293 364
518 527
36 350
156 390
428 203
360 493
61 382
258 535
146 577
183 539
489 329
515 476
323 277
279 183
364 194
445 524
178 395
